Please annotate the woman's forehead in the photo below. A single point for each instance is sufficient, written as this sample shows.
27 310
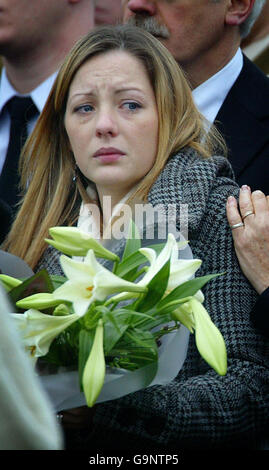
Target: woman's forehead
115 69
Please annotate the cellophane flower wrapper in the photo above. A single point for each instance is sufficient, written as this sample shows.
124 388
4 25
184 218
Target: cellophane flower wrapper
62 385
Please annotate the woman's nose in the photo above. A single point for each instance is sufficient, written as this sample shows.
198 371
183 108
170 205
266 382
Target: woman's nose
106 124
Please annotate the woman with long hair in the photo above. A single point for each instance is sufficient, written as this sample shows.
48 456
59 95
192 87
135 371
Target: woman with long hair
120 120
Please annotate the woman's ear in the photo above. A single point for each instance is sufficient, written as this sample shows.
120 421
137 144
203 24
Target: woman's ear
238 11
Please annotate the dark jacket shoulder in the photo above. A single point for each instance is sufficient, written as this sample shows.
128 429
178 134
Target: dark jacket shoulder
243 120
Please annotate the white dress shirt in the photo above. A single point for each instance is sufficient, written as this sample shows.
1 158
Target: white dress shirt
39 96
210 95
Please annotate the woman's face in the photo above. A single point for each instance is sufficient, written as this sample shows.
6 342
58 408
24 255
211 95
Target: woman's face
112 122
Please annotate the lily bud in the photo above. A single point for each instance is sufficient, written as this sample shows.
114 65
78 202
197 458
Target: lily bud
74 242
183 314
95 368
39 301
9 282
209 340
61 310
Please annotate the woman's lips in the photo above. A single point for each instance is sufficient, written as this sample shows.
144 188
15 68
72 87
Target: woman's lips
108 155
109 158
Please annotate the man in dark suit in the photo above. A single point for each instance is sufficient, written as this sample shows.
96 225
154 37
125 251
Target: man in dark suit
244 122
34 39
204 37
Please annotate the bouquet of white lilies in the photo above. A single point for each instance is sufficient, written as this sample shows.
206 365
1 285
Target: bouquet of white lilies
97 319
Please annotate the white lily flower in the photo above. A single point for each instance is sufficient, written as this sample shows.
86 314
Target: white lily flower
75 242
88 281
38 330
181 270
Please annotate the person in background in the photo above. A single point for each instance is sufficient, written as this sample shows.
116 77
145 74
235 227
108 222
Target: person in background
107 12
250 230
204 37
34 39
112 126
256 45
27 418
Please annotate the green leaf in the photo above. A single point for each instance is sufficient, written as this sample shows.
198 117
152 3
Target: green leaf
134 261
135 349
187 289
118 321
156 289
114 327
133 242
86 338
63 350
57 281
152 321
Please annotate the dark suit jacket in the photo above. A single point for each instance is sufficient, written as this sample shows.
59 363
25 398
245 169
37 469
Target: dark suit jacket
260 313
244 122
5 219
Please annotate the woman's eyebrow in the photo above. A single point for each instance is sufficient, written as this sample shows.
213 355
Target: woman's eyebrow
90 93
82 93
129 88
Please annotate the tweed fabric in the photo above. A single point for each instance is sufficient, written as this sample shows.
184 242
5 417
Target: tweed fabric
198 409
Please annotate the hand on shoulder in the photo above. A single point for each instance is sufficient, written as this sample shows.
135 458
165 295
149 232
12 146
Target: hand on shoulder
249 221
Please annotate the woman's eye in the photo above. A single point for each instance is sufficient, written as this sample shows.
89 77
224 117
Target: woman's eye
131 106
85 108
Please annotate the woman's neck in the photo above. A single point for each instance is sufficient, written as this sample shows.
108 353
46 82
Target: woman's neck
109 200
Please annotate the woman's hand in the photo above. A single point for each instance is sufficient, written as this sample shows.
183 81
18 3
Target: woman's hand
251 240
76 418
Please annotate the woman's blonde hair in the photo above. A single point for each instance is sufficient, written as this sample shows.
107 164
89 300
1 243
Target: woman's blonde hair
47 162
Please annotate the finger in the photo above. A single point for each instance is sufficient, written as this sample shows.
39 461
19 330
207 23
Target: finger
260 203
245 202
233 214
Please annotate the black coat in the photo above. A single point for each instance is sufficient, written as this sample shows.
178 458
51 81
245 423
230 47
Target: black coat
244 122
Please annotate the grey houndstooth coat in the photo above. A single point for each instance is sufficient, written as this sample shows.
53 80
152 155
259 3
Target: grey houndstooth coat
198 409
